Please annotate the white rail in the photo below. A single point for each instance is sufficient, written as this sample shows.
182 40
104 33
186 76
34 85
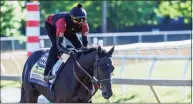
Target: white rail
124 81
140 33
141 57
116 34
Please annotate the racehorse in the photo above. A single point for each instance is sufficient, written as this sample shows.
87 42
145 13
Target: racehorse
77 79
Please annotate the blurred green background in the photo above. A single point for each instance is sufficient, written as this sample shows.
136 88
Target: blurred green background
120 14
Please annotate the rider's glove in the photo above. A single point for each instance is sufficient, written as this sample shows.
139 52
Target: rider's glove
71 52
74 51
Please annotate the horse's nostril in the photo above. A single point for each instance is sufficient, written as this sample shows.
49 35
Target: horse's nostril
110 94
107 95
104 93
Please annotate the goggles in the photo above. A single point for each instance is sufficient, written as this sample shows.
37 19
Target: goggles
77 20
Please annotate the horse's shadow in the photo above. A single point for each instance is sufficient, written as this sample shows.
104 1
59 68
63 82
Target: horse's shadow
125 99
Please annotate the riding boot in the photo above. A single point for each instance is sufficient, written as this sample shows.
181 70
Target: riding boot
52 58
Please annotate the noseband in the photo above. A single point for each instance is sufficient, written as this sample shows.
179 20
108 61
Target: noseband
94 81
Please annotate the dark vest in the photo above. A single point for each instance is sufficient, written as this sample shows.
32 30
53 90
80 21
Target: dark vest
71 27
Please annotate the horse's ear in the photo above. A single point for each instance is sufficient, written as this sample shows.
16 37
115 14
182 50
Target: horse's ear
99 50
111 50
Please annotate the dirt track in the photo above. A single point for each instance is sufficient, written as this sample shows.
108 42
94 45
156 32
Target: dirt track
14 93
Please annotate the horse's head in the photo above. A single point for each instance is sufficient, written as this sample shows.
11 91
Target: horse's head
103 71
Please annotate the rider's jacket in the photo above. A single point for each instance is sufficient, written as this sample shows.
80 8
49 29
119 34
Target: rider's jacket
64 24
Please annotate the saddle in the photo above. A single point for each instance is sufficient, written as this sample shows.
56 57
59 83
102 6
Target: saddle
37 71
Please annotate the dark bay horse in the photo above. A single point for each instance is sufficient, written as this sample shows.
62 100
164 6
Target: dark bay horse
75 81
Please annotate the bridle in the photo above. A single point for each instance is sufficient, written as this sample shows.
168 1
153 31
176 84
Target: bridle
96 67
94 80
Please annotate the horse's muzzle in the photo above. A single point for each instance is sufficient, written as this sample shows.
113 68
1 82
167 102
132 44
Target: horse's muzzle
107 95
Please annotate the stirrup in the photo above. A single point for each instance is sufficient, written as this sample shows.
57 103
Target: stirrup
49 77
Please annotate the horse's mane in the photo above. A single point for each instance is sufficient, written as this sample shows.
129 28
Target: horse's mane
89 50
103 52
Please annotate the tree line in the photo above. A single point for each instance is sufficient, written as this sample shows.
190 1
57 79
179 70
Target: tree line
120 14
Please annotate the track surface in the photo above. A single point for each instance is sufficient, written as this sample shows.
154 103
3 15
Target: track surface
12 95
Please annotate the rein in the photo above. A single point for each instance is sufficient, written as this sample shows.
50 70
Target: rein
94 81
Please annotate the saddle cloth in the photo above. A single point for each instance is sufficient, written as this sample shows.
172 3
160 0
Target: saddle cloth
37 71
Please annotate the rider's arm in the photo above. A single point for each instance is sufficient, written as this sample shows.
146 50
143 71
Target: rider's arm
60 46
85 30
49 19
60 29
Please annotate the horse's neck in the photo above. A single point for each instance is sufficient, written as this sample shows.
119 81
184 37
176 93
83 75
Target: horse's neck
67 82
82 92
87 61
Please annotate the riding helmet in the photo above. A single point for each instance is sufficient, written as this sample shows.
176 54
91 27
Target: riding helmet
78 13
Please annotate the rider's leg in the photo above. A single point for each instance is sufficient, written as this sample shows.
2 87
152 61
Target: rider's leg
74 40
51 30
52 58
